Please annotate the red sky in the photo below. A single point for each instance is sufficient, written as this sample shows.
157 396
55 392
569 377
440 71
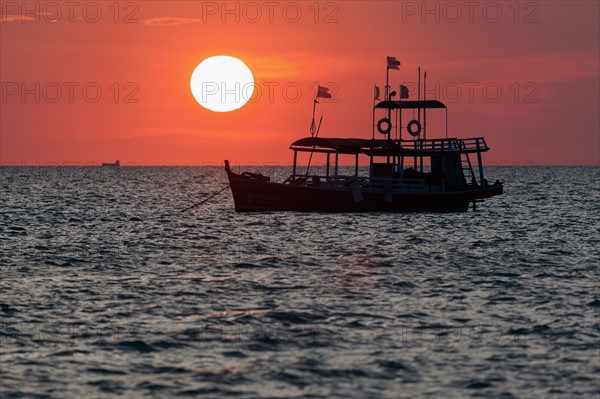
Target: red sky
543 55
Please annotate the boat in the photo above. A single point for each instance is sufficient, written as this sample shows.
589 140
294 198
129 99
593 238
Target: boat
116 164
416 174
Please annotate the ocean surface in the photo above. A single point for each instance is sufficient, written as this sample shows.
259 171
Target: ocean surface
110 288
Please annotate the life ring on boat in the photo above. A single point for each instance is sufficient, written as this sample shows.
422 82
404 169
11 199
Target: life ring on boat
388 129
410 126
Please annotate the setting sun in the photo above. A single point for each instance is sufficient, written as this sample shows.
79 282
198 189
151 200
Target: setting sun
222 83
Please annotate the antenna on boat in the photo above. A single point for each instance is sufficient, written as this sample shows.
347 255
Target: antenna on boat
419 96
313 127
316 135
425 108
403 94
392 94
322 92
376 96
399 116
391 63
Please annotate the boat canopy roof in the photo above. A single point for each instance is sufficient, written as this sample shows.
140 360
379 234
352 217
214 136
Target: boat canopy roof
389 147
346 146
388 104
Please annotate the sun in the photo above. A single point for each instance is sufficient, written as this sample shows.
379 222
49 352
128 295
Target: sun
222 83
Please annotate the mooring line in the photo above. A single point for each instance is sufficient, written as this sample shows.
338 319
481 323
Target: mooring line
206 199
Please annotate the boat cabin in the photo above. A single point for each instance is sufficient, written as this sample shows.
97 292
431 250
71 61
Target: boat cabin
417 164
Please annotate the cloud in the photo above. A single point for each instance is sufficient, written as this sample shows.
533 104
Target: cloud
557 67
171 21
17 18
305 65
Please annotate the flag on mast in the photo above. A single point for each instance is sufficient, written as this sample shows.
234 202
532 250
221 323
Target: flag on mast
323 92
403 91
392 63
377 93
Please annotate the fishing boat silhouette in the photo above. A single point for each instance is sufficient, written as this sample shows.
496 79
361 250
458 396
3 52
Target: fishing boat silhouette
115 164
404 175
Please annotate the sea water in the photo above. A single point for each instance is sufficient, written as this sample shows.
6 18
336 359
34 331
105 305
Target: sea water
113 284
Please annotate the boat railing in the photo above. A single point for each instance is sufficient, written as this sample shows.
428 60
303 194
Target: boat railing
317 180
397 184
383 183
451 144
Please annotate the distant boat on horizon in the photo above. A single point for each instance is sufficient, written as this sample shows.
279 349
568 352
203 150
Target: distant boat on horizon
115 164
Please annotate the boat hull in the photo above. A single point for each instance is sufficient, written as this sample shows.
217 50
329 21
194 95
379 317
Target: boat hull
252 195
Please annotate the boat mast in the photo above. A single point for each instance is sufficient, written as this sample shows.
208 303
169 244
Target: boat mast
313 147
322 92
419 96
387 78
391 63
425 108
313 127
399 114
424 113
376 95
387 94
418 110
313 131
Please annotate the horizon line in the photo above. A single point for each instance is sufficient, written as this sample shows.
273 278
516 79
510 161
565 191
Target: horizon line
246 164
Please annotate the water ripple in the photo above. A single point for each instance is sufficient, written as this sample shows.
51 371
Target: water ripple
109 290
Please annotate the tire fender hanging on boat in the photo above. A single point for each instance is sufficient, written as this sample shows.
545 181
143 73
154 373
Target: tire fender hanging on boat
388 129
410 126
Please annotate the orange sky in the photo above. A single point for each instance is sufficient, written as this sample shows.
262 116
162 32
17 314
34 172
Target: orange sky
544 57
